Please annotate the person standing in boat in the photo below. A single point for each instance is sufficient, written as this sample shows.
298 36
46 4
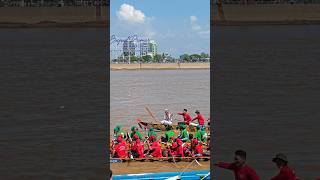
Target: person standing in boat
200 119
167 118
186 117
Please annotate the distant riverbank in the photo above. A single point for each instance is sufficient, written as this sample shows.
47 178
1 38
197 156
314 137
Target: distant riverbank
160 66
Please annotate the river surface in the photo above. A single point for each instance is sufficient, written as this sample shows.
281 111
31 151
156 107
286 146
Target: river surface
267 97
132 91
52 103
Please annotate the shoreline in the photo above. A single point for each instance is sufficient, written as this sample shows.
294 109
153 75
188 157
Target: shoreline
159 66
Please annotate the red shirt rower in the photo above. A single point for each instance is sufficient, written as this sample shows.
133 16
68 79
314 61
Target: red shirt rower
179 150
138 146
155 147
186 117
198 149
199 117
120 149
173 148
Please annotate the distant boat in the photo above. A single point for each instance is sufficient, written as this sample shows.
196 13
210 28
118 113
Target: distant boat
161 127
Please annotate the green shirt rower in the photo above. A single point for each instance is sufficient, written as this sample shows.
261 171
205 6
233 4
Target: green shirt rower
134 130
184 135
151 132
201 134
169 133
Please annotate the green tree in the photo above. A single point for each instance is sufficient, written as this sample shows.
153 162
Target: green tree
133 59
195 57
158 58
146 58
185 57
204 55
163 56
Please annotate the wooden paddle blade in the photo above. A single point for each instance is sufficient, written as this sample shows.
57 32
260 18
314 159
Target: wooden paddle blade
151 114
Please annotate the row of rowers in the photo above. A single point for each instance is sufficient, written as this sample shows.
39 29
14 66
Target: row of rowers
168 117
184 145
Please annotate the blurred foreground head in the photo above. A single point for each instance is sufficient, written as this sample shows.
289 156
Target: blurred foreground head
240 157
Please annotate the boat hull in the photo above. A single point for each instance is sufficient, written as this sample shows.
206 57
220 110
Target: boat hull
163 159
162 127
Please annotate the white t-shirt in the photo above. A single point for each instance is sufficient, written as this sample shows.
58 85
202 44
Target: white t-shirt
167 117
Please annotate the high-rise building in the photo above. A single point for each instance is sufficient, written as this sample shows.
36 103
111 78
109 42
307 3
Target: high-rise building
129 48
148 47
144 48
153 48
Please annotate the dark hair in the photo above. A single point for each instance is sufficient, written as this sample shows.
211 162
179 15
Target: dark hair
185 110
241 153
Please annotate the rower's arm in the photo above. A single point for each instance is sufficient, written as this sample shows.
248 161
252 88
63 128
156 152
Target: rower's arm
225 165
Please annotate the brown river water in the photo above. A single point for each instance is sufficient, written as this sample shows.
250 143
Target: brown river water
132 91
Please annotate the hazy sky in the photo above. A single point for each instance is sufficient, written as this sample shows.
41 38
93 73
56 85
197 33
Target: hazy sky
178 26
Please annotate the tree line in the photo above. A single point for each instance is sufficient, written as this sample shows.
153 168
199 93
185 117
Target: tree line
163 58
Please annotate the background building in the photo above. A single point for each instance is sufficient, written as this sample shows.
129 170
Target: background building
152 48
148 47
129 47
144 48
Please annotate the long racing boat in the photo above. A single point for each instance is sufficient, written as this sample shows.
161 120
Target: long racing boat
162 159
162 127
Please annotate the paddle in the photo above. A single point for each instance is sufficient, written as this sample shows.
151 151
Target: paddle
151 114
205 176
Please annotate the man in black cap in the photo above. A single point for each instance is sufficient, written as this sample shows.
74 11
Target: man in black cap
285 173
